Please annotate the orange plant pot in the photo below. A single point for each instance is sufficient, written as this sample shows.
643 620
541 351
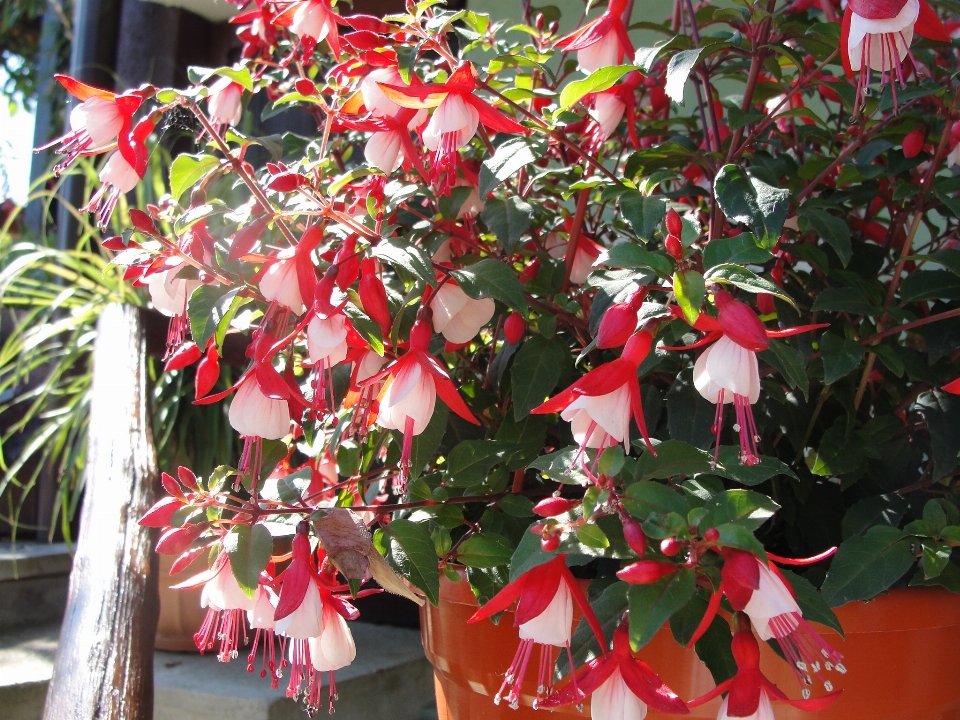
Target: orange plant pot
902 654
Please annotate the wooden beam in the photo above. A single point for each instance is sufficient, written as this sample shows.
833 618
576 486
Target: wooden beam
104 663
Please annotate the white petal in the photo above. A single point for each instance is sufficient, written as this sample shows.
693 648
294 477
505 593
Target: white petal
374 98
334 648
382 151
168 293
603 53
279 284
307 620
702 381
225 101
253 414
881 58
222 592
608 111
611 412
446 303
310 20
465 325
554 625
733 368
326 339
453 115
770 600
473 205
370 365
118 173
412 394
101 118
264 605
613 700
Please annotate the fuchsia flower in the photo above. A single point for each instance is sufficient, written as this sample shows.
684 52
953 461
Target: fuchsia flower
259 413
455 120
602 42
101 119
599 405
727 371
313 21
121 173
169 292
225 102
749 691
876 35
620 686
260 618
609 106
457 316
226 604
409 394
544 617
279 284
587 253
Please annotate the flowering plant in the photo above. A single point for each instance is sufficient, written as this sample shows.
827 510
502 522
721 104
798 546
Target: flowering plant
494 311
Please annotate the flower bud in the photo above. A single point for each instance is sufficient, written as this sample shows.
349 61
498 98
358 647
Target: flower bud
530 271
765 303
913 142
669 547
305 86
142 222
634 535
644 572
674 247
674 223
616 326
549 543
514 328
207 373
187 354
711 535
175 540
553 506
161 514
286 181
187 478
373 295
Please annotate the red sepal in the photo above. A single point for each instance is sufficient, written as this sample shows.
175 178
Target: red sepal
296 578
186 354
161 514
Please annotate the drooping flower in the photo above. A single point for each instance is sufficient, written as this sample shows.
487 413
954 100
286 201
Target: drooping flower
313 21
602 42
457 316
256 414
169 294
409 394
455 120
620 686
100 120
226 604
121 173
608 108
876 35
749 692
279 283
600 404
225 102
544 617
587 253
260 618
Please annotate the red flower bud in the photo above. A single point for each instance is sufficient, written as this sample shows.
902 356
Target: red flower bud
161 514
674 247
549 543
616 326
674 223
514 328
643 572
638 347
765 303
175 540
187 478
374 296
955 130
207 373
740 323
306 87
711 535
246 237
913 142
141 221
669 547
634 535
530 271
553 506
186 354
286 181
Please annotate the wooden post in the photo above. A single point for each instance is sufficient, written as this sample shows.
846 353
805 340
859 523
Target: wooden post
104 664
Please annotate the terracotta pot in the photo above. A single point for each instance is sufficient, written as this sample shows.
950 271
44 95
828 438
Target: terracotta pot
902 654
180 611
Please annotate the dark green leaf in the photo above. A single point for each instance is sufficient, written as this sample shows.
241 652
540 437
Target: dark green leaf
930 285
450 205
426 443
535 373
877 510
207 307
729 466
560 466
507 219
845 299
409 257
412 554
652 605
741 249
491 278
249 548
942 412
747 508
644 213
832 229
746 280
866 565
790 364
516 505
749 201
628 255
485 551
814 607
469 462
646 497
840 356
674 457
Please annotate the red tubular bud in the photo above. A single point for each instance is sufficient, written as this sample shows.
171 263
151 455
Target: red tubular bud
549 543
187 478
669 547
530 271
161 514
740 323
171 485
765 303
617 325
644 572
674 247
207 373
913 142
141 221
638 347
514 328
674 223
420 335
347 263
245 238
286 181
306 87
634 535
186 354
175 540
553 506
374 296
711 535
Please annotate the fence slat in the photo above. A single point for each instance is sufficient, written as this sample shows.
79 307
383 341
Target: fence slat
104 663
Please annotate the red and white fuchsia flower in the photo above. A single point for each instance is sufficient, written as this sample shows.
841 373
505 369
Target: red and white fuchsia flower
544 617
457 316
602 42
619 686
226 605
255 414
225 102
749 692
121 173
876 35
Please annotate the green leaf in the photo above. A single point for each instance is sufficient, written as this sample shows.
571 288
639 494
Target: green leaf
936 555
689 289
409 257
186 170
592 536
608 609
491 278
930 285
811 602
840 356
942 413
790 364
877 510
535 373
846 299
560 466
469 463
729 466
950 259
411 553
678 70
646 497
516 505
628 255
598 80
644 213
674 457
208 306
507 219
485 551
528 555
749 201
746 508
249 548
866 565
512 155
652 605
737 536
449 205
741 249
746 280
833 230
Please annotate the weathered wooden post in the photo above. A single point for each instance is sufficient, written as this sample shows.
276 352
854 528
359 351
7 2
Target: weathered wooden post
104 664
